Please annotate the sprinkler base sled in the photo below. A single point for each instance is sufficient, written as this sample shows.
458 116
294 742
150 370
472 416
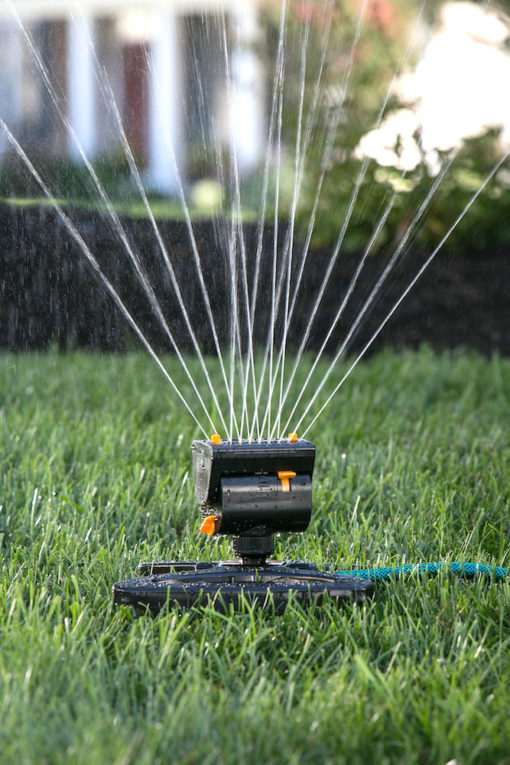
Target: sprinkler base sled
227 585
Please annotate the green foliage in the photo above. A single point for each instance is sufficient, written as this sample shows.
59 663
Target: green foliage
485 227
385 35
487 224
413 462
71 185
67 179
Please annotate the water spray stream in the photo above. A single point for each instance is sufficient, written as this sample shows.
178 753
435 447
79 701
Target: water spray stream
238 231
73 231
337 249
277 77
132 255
193 242
389 266
324 283
270 345
331 133
233 327
314 111
368 249
310 123
275 101
295 194
112 103
425 265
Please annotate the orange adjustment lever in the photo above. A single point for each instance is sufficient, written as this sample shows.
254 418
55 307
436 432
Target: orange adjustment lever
208 525
285 476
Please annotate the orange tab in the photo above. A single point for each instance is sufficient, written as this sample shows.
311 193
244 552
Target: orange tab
292 437
208 525
216 439
285 476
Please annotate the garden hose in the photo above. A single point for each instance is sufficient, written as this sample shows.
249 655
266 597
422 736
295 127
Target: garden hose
467 570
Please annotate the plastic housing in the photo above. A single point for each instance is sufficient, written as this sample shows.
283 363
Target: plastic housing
214 462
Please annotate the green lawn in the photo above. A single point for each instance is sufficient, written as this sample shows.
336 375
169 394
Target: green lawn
413 465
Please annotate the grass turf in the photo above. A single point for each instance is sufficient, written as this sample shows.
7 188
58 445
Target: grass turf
413 465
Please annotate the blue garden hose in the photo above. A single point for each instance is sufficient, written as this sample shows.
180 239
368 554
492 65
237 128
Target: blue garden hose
467 570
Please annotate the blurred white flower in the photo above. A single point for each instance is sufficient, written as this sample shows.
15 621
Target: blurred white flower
458 90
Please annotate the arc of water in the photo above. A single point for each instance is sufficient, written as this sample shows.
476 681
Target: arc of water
265 181
311 120
389 266
229 244
234 331
328 148
337 249
324 283
111 101
235 336
219 228
133 256
423 268
286 260
275 101
275 248
243 384
238 231
194 247
368 249
295 194
332 127
73 231
313 114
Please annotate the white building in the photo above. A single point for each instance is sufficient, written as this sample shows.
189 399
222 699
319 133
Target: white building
165 63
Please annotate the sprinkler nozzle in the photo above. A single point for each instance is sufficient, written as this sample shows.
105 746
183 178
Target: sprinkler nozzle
292 438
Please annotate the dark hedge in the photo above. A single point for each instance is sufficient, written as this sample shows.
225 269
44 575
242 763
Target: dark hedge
49 296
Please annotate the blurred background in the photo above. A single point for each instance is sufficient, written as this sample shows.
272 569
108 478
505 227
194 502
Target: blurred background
193 83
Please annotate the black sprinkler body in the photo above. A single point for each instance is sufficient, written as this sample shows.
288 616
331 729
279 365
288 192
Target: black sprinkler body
249 490
214 462
254 490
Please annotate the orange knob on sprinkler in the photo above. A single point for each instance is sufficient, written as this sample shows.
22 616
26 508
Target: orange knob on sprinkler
210 525
285 476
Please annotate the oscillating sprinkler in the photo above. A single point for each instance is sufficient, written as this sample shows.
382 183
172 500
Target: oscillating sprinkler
248 490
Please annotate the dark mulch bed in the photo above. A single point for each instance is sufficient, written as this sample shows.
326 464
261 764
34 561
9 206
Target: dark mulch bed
48 295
